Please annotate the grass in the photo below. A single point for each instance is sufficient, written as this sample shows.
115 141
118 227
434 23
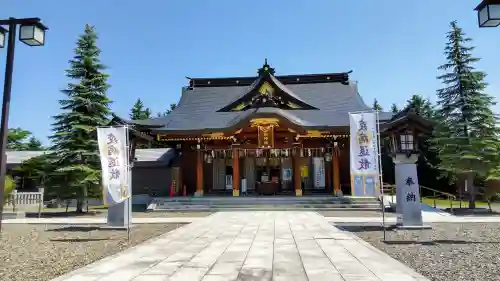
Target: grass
444 203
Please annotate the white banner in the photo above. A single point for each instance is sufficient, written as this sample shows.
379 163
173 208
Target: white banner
114 162
319 172
364 154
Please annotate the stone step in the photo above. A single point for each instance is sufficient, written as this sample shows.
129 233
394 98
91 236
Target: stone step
280 208
270 206
264 203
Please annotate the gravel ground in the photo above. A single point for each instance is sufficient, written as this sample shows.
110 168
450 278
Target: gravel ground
448 252
103 213
349 214
41 253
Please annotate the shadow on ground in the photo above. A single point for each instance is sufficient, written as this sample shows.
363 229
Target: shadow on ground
78 240
472 212
365 228
436 242
62 214
75 229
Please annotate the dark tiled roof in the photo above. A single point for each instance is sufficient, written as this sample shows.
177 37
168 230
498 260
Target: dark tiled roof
197 108
142 155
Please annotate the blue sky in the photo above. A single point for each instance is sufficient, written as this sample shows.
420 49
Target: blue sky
393 47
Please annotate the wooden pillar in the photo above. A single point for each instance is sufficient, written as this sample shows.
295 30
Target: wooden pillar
297 180
236 172
199 173
336 171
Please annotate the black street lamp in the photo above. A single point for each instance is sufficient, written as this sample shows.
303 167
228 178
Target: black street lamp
488 13
32 33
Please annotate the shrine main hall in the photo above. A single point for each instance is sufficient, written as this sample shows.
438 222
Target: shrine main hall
263 135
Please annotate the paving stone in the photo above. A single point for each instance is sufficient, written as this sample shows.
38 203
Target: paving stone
248 246
188 273
151 278
164 268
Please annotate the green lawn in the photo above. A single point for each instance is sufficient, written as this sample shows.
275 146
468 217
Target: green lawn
443 203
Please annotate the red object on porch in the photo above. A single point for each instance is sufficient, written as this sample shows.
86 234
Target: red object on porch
172 190
184 190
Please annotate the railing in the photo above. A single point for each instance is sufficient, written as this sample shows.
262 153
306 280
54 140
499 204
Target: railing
20 200
436 194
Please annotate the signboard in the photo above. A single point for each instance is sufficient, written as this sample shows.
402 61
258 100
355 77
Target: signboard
364 154
408 189
319 172
113 152
265 136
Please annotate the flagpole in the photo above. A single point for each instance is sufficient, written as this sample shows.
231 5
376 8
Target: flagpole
381 184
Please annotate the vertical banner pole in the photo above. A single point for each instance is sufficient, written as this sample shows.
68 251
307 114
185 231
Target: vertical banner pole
381 179
129 182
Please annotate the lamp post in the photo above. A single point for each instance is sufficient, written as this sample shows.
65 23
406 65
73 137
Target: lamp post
488 13
404 152
32 33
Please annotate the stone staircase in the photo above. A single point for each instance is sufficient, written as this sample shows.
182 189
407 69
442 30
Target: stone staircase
263 203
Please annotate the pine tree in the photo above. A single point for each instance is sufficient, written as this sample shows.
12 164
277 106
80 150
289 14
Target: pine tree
85 107
376 105
421 106
394 108
466 132
138 112
168 111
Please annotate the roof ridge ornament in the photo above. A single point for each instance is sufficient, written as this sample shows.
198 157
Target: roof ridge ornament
266 68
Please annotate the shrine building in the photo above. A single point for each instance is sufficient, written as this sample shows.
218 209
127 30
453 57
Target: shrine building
268 135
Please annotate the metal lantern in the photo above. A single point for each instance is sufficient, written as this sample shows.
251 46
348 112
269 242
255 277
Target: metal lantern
488 13
32 34
328 157
3 32
209 158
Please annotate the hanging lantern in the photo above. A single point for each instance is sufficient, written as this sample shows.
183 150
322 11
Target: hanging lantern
209 158
328 157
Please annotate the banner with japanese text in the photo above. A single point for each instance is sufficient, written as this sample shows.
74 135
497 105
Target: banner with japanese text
319 172
114 162
364 154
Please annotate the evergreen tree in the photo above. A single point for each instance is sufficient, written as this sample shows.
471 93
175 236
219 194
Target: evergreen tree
167 112
421 106
138 112
466 132
85 107
394 108
19 139
376 105
34 144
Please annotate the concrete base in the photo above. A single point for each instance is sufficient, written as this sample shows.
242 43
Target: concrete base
120 215
7 215
298 192
236 192
413 227
198 193
338 193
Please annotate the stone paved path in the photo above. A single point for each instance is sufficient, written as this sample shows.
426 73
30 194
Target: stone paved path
247 246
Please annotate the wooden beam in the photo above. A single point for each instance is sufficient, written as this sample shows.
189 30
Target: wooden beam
199 173
297 180
336 171
236 172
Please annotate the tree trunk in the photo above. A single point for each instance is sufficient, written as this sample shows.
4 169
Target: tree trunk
81 202
472 190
